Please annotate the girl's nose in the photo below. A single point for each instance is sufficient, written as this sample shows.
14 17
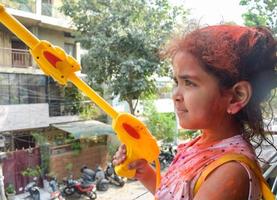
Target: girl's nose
176 95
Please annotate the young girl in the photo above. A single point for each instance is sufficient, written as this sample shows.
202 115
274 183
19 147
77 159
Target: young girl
222 73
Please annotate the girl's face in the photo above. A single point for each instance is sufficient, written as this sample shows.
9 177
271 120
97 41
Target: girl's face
197 98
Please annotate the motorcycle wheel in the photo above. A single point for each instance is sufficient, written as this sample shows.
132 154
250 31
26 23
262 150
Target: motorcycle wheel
36 195
92 195
102 186
121 183
68 191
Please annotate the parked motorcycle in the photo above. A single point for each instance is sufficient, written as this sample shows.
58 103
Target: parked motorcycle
33 190
112 177
166 156
102 184
80 187
55 194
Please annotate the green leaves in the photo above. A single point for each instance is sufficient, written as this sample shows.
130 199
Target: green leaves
161 125
261 13
123 38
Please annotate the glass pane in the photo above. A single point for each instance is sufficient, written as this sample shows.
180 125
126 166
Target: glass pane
23 94
14 94
14 79
69 49
4 79
32 88
4 97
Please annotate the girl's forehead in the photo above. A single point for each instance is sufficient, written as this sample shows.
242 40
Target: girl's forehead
184 62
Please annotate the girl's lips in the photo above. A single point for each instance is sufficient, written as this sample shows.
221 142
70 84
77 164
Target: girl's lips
181 111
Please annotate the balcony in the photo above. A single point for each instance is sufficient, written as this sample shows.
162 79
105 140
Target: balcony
18 58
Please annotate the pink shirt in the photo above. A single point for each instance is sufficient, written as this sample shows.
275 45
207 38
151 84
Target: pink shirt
179 180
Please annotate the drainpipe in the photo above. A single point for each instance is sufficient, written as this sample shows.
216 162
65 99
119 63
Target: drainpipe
2 191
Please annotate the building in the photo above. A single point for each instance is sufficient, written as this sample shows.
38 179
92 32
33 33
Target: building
31 102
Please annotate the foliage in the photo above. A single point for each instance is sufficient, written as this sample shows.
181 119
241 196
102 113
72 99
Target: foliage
75 144
69 167
261 13
44 151
76 147
10 189
188 134
123 38
73 99
112 148
161 125
32 171
91 111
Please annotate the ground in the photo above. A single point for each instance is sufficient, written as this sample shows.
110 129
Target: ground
132 190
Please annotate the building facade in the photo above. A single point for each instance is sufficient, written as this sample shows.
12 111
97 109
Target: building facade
29 99
32 103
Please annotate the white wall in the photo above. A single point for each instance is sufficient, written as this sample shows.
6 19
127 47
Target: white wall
28 116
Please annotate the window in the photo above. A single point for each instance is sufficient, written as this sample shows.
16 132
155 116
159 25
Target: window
4 89
14 89
47 7
69 49
32 88
22 89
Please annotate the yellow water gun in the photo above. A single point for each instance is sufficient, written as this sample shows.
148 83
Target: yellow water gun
54 62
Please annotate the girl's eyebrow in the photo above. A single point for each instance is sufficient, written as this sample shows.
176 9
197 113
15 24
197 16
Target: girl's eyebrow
191 77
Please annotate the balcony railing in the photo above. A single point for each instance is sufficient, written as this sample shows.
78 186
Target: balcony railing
16 58
24 5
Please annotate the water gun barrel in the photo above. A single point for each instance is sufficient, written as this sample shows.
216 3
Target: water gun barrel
93 96
18 29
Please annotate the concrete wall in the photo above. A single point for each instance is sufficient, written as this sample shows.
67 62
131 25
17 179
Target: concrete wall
5 56
28 116
15 117
55 37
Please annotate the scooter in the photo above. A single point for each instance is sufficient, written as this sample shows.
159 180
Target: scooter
80 187
102 184
166 156
33 190
112 177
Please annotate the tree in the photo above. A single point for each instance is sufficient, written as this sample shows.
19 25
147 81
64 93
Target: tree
161 125
123 38
261 13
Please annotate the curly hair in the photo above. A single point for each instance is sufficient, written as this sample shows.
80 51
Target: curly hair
234 53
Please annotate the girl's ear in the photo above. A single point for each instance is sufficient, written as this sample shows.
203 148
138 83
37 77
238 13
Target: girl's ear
241 94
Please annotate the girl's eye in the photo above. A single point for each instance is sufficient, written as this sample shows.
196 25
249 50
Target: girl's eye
189 83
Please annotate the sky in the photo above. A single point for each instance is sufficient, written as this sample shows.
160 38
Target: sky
214 11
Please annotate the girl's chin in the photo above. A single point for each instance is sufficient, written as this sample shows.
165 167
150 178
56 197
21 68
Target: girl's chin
186 125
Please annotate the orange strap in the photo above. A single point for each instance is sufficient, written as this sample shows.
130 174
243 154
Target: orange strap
267 194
